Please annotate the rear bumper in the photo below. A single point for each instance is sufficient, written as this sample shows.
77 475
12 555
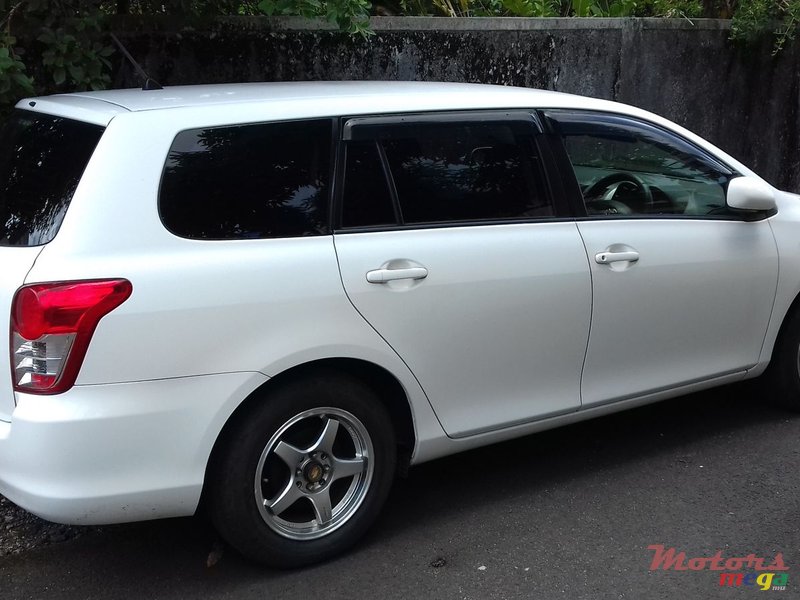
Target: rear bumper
116 453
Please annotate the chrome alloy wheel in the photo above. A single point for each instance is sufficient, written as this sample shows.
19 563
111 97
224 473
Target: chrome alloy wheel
314 473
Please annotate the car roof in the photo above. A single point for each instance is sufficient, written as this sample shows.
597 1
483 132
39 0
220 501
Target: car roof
342 97
413 91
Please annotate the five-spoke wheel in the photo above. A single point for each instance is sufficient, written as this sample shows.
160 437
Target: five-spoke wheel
314 473
302 472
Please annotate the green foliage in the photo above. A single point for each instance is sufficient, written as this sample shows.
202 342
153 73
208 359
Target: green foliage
554 8
14 81
74 60
749 23
68 42
349 15
637 8
755 18
536 8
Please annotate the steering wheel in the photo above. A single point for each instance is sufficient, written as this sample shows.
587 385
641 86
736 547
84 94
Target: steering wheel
625 192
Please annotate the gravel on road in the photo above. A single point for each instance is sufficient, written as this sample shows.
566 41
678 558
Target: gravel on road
21 531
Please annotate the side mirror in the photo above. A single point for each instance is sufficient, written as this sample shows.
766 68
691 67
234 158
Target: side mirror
747 193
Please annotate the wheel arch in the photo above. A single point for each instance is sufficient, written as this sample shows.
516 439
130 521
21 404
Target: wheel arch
771 344
385 385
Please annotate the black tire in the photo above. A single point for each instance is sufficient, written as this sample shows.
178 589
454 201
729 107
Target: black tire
783 375
301 531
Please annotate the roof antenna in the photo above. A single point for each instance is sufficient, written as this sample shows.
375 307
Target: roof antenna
149 82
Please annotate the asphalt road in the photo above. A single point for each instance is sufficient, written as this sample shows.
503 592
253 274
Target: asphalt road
568 513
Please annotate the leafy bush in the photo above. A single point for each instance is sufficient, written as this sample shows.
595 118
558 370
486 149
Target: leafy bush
754 18
70 45
349 15
14 81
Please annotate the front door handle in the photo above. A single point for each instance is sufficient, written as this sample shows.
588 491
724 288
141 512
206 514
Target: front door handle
604 258
384 275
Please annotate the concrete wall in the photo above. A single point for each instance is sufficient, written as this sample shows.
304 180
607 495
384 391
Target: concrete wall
742 99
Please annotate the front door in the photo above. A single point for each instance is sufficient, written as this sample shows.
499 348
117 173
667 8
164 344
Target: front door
682 286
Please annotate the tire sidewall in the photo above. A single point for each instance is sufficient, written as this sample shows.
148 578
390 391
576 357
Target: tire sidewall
783 375
233 504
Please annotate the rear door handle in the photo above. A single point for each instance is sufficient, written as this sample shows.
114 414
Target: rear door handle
604 258
384 275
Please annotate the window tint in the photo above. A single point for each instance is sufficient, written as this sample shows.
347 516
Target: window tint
446 172
367 200
249 181
626 167
42 159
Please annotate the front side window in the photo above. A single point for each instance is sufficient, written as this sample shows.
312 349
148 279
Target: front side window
444 173
627 167
248 182
42 159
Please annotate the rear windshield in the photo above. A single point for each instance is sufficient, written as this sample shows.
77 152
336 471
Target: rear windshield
42 159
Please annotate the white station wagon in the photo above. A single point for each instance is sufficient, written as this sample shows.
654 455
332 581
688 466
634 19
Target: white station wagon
271 297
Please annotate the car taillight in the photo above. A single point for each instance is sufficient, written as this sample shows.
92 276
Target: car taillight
51 326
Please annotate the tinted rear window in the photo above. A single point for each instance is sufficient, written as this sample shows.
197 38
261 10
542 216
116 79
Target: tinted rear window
466 172
42 159
444 172
248 181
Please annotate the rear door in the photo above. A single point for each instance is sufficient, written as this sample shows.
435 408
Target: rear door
450 246
42 158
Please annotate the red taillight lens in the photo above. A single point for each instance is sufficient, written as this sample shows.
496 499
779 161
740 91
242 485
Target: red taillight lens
51 326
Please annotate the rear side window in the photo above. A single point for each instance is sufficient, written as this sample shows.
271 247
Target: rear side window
42 159
248 182
445 173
